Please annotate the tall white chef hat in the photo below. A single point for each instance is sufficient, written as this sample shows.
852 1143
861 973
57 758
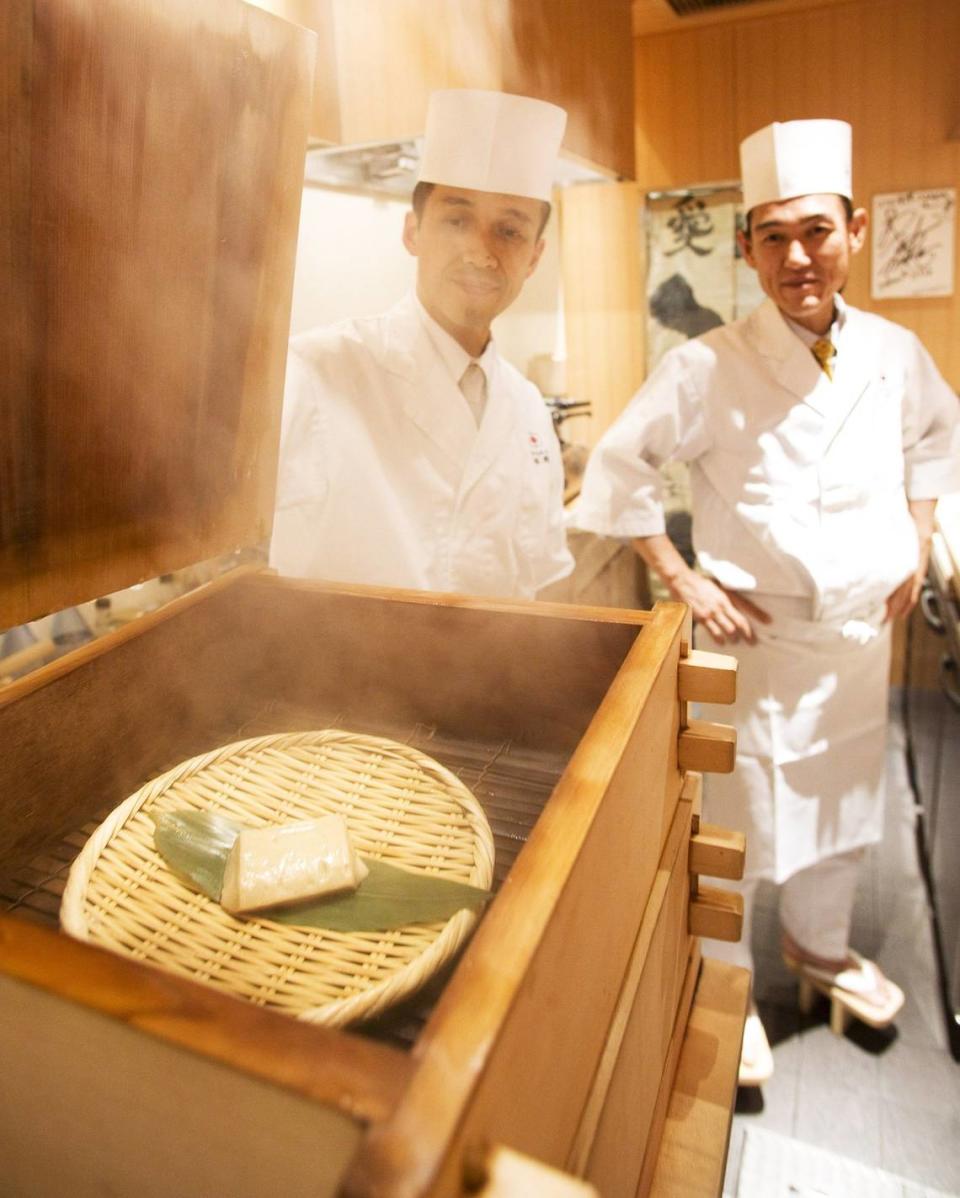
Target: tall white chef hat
796 158
492 141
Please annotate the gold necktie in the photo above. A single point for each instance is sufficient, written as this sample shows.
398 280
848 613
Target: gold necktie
824 351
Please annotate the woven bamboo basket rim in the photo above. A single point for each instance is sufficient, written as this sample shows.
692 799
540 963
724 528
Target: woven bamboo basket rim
400 806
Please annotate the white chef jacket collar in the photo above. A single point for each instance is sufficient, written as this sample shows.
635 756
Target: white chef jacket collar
834 332
454 357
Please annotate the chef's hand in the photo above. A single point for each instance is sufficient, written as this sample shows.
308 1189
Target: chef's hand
903 600
726 615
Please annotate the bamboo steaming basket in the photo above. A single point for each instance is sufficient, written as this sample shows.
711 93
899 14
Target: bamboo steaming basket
399 804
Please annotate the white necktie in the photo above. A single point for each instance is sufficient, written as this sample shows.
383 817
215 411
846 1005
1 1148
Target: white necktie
473 384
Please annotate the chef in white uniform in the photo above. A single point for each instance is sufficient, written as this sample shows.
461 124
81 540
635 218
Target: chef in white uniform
412 454
818 438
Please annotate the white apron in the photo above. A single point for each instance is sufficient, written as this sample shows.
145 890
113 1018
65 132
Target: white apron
811 719
800 491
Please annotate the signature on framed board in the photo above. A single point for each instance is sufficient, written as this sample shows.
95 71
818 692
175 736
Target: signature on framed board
913 236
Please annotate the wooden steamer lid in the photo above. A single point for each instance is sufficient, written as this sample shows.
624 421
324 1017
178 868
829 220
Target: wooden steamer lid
153 164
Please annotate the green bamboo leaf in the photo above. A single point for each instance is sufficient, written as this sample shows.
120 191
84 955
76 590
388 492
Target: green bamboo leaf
196 844
388 897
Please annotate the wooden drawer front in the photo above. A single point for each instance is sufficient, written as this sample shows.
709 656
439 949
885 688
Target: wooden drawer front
637 1050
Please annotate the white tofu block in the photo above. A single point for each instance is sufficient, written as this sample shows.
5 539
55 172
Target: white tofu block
274 867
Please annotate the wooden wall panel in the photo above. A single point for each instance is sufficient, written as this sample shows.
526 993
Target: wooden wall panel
378 61
890 67
602 269
578 55
684 92
390 56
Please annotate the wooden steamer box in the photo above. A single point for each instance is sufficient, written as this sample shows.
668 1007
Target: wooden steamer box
154 154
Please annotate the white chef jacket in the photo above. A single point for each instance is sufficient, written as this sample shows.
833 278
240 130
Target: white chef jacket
800 489
385 478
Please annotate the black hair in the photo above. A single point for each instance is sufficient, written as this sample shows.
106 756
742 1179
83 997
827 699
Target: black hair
847 208
422 191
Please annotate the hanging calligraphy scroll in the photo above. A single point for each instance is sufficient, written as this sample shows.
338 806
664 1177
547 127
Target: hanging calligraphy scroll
696 278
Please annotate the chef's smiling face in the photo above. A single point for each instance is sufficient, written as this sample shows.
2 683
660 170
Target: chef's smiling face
474 251
801 250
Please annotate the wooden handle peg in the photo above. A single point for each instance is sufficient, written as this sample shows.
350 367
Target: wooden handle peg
716 913
717 852
707 677
707 747
510 1174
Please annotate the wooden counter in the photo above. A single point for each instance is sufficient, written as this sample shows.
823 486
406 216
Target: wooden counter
948 525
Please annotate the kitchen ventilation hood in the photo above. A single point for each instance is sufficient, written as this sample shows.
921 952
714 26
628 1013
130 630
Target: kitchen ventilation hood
390 168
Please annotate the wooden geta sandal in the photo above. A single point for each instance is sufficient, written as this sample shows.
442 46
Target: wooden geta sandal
756 1059
861 991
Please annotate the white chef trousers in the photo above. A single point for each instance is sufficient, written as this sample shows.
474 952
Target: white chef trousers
816 908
